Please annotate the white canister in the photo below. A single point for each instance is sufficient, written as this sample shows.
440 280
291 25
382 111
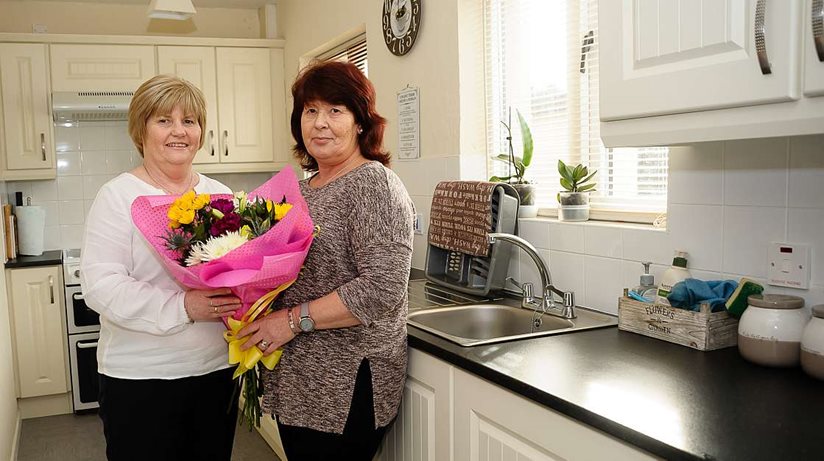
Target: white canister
31 222
769 332
812 344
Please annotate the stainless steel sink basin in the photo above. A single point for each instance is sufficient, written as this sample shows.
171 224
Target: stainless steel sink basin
476 324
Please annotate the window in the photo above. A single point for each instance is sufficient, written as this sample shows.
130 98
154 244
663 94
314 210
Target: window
542 59
353 51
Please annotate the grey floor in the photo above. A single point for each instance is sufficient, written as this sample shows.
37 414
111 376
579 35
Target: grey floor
80 438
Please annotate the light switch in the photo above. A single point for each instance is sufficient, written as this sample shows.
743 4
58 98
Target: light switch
418 226
789 265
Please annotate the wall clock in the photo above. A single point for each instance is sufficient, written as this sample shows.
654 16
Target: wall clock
401 20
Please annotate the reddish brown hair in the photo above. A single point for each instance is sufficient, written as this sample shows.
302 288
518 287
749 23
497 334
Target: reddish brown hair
343 83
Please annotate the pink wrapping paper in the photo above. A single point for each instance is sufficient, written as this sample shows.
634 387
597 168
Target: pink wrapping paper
251 270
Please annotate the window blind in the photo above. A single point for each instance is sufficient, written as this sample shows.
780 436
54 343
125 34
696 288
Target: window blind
353 51
542 59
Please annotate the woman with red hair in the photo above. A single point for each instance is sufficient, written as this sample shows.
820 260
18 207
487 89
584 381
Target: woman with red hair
342 324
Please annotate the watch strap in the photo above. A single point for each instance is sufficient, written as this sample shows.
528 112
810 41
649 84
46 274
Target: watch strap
305 323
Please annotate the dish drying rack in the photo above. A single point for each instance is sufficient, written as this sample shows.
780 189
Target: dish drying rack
478 275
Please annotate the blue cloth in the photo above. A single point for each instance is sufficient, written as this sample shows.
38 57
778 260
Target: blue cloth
690 293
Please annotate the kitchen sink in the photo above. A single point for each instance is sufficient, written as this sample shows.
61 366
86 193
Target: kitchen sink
487 323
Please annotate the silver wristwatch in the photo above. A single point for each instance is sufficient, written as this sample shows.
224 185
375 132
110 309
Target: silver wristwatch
305 323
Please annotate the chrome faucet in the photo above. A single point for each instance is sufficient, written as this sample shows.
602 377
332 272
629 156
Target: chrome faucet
547 304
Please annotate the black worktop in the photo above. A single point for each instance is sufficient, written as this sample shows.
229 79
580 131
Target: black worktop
48 258
669 400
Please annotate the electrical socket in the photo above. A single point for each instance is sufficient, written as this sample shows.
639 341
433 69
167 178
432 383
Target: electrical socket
418 224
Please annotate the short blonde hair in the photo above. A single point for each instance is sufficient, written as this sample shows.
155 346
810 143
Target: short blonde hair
160 95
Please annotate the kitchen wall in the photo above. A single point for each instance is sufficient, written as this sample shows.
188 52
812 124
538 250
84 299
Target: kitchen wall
452 136
727 201
88 155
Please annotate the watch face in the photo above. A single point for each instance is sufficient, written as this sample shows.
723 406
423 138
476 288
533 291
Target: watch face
306 324
401 21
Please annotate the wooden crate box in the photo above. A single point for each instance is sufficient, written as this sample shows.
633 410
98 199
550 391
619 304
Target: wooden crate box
702 330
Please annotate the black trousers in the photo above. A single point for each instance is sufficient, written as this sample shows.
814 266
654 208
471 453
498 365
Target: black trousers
359 441
158 419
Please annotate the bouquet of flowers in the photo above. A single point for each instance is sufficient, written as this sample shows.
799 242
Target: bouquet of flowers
254 244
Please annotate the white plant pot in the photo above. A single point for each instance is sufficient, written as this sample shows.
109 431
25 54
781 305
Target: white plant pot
574 206
573 212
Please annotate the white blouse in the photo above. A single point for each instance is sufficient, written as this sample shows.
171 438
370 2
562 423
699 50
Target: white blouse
144 329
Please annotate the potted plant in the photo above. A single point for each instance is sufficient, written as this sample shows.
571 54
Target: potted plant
574 199
518 165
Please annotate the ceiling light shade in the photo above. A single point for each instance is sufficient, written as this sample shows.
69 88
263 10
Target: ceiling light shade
179 10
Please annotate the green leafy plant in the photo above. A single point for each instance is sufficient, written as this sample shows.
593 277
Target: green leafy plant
576 179
519 164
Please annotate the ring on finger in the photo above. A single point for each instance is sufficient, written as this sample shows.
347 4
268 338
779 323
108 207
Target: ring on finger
215 309
210 303
263 344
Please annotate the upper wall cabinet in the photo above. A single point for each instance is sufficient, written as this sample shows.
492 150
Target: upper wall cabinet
101 67
675 71
241 87
27 126
813 44
197 65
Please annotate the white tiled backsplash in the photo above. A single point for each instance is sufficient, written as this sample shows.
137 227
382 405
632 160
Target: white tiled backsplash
727 201
88 155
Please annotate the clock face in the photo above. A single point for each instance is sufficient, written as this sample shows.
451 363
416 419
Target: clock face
401 21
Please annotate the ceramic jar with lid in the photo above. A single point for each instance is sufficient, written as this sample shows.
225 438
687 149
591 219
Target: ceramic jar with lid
769 332
812 344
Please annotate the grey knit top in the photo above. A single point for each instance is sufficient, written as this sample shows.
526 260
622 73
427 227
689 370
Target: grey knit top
363 252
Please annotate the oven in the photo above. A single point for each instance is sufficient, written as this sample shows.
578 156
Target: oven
83 325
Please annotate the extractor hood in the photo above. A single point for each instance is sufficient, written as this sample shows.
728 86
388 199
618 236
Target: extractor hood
87 106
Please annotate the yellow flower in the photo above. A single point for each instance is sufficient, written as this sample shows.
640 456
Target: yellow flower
269 205
182 211
281 209
201 201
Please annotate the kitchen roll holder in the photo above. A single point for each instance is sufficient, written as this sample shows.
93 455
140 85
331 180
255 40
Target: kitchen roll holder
31 223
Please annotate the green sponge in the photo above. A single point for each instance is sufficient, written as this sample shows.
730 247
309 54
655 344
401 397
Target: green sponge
738 300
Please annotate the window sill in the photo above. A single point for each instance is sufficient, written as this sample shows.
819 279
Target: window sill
603 218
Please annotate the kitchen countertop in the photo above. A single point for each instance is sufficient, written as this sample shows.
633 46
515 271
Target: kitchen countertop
672 401
48 258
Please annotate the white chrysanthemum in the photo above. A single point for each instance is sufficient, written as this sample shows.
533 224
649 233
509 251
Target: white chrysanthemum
214 248
196 254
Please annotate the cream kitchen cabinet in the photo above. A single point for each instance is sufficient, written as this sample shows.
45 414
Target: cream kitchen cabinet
495 423
86 67
39 330
423 428
685 71
450 414
242 86
27 132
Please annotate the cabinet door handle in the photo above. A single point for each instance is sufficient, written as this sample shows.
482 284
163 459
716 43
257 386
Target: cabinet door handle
225 143
212 142
51 288
86 345
817 17
43 145
760 37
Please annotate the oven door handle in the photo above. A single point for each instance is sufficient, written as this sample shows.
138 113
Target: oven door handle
78 296
81 345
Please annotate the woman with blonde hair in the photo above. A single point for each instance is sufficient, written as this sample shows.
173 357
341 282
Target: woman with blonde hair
166 389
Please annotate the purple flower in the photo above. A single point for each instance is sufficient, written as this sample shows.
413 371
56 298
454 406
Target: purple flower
224 205
229 223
